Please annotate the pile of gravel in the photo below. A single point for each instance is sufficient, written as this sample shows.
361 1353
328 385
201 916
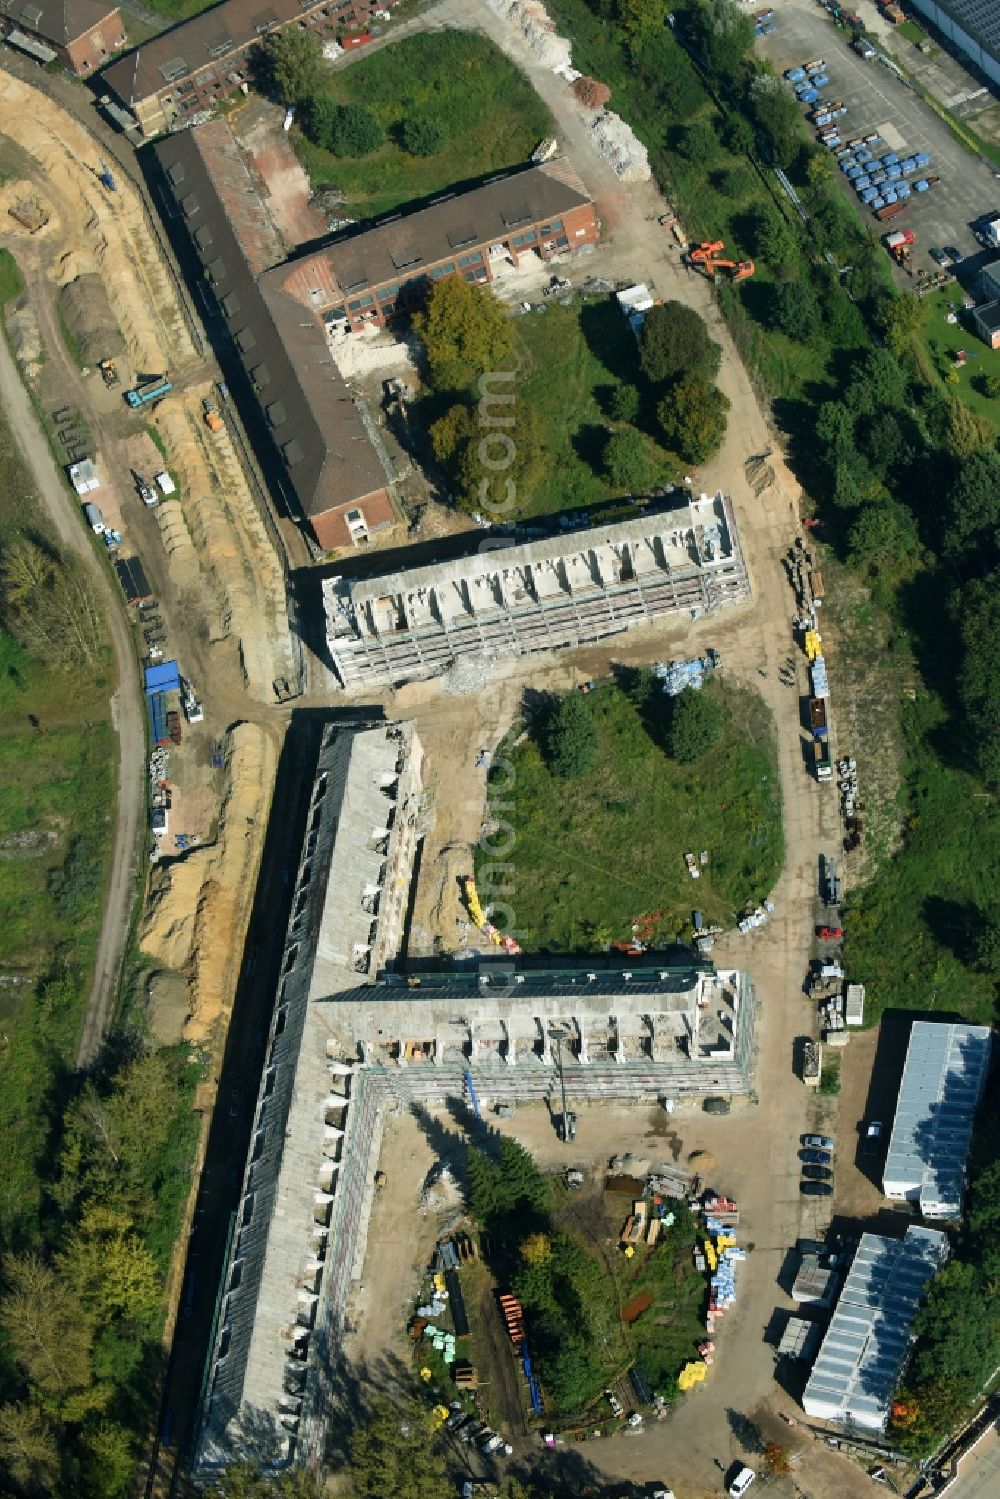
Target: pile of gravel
531 19
619 147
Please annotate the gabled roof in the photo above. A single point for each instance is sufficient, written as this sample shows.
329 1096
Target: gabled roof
206 38
59 21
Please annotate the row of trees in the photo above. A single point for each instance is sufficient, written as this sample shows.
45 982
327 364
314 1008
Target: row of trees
81 1311
687 726
553 1276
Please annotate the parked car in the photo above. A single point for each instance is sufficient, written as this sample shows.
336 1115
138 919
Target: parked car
939 257
810 1246
873 1138
815 1189
740 1482
816 1157
829 933
818 1142
614 1402
717 1106
956 255
456 1419
493 1445
817 1173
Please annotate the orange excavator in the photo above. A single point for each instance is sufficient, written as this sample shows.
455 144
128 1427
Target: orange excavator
705 257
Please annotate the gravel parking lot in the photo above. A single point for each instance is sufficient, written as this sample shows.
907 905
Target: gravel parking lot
876 100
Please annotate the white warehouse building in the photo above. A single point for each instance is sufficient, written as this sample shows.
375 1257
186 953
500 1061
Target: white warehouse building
943 1081
864 1351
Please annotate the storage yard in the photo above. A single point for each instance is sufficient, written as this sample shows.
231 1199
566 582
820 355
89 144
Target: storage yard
878 102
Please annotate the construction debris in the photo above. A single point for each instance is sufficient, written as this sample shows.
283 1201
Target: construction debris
620 148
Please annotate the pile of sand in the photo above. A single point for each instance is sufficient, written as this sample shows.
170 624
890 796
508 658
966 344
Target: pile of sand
620 148
537 28
196 917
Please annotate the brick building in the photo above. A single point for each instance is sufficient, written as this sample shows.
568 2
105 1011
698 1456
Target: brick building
186 70
82 34
278 312
369 275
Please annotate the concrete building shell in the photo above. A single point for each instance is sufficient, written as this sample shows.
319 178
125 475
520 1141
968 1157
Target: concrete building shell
349 1041
519 600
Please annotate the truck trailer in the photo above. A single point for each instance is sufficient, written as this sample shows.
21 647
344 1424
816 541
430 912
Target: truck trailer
143 395
817 718
822 759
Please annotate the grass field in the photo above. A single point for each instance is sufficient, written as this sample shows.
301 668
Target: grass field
592 855
574 358
940 340
493 115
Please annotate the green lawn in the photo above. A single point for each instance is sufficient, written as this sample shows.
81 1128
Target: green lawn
573 359
941 339
494 117
592 855
911 31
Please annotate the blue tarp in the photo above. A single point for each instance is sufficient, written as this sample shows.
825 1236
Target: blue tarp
166 677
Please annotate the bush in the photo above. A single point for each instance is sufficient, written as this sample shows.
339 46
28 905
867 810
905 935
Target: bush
624 403
795 310
627 462
424 135
344 129
568 738
696 722
293 64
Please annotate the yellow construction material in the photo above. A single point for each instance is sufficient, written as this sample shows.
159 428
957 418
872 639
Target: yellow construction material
710 1254
439 1282
691 1374
814 644
472 902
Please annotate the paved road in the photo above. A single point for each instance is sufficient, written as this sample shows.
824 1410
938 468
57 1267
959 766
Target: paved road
126 704
979 1473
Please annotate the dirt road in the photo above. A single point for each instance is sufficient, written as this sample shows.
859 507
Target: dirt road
126 705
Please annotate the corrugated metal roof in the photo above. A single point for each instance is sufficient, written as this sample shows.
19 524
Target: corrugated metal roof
862 1355
942 1084
165 677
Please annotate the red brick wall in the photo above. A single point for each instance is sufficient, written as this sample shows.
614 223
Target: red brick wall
84 54
331 529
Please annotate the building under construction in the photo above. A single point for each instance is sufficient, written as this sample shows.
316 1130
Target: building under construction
351 1039
521 600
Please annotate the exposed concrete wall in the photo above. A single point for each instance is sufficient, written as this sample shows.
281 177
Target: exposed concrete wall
522 600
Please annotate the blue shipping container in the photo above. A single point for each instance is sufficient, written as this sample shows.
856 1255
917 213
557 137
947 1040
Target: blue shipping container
902 190
862 184
876 204
922 159
921 186
820 80
869 195
890 159
158 717
795 75
810 96
889 196
894 173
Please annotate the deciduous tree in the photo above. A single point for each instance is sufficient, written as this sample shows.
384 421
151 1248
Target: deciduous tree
294 60
466 334
675 342
49 1331
395 1451
47 605
696 723
693 415
29 1451
424 135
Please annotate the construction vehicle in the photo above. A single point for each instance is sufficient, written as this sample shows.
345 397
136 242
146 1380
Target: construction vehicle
822 760
147 493
213 421
144 395
900 243
109 372
706 257
817 718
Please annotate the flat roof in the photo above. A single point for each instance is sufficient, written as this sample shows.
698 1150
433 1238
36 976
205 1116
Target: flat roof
402 246
865 1346
989 312
943 1080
